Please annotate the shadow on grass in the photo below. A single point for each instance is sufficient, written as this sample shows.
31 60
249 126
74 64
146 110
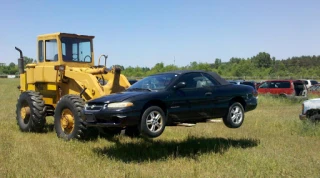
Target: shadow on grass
152 150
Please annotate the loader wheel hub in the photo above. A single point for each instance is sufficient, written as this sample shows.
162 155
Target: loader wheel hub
25 112
67 121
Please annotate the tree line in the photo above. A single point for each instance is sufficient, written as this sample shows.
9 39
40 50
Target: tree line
12 68
260 66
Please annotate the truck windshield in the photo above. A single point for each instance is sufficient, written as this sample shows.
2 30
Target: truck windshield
76 50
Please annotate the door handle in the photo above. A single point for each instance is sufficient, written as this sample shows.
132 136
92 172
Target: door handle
208 94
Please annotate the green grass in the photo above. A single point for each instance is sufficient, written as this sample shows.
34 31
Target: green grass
272 142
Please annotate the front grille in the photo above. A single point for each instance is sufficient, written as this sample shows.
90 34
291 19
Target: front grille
94 106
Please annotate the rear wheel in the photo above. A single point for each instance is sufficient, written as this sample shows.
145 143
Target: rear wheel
68 118
153 122
235 116
30 112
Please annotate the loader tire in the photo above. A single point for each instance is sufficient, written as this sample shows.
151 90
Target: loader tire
68 119
30 111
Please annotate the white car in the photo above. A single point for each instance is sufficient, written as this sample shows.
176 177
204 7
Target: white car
309 83
311 110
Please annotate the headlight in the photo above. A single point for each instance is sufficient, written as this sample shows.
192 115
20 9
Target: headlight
120 105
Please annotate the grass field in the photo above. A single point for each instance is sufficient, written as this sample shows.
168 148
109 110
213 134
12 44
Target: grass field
272 142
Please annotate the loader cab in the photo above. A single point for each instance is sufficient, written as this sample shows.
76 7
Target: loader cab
68 51
71 50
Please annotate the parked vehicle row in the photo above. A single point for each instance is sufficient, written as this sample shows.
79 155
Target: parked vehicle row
309 83
284 88
292 88
314 89
244 82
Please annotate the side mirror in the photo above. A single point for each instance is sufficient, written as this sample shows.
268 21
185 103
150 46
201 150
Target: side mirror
180 85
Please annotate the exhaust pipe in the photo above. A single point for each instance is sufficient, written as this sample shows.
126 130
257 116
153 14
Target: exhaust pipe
20 61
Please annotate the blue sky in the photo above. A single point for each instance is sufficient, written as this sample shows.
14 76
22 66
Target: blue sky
145 32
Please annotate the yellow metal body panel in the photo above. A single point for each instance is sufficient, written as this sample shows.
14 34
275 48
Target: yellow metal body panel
31 87
45 74
116 82
49 101
30 72
23 82
51 87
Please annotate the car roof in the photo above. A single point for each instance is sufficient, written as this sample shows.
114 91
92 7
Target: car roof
217 77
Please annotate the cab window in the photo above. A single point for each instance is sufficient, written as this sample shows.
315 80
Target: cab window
76 49
40 51
51 50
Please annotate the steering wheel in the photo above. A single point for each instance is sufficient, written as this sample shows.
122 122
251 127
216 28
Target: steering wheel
84 59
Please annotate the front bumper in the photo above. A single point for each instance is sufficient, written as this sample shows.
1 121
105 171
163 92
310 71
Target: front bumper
111 118
303 117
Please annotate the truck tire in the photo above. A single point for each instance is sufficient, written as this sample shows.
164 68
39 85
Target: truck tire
30 111
235 116
153 122
315 118
68 118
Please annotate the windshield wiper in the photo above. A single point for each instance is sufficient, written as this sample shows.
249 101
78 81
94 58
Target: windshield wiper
139 89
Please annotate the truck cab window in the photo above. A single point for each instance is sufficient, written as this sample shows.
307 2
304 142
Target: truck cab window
51 50
40 51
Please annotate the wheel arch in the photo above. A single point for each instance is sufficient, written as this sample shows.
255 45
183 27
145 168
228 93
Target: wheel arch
312 112
239 100
155 102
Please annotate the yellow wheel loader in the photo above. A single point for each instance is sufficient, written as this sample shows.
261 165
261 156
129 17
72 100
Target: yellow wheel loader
61 81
